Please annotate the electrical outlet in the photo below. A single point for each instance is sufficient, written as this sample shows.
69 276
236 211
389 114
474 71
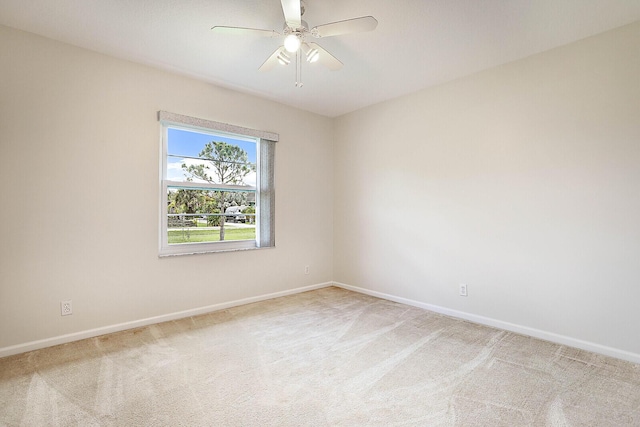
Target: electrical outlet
306 269
463 290
66 308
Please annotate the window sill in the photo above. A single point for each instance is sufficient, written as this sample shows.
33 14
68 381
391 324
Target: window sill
199 249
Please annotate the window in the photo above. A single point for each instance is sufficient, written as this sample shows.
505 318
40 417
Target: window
217 191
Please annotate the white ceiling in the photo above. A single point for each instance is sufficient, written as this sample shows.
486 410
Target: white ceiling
418 43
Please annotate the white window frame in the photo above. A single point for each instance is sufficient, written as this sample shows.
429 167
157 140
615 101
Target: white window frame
264 188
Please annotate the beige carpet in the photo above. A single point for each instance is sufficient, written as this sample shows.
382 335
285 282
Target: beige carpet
327 357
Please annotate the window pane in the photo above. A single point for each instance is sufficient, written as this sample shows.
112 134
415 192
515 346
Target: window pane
195 216
210 158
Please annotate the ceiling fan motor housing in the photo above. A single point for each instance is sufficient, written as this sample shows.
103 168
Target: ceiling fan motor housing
303 29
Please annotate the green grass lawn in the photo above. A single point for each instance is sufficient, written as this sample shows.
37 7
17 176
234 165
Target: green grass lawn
196 236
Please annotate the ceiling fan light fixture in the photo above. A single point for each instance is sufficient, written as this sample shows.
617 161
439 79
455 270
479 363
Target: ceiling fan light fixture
292 43
313 55
283 58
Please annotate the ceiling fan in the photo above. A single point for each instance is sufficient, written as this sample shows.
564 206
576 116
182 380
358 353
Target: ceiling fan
296 31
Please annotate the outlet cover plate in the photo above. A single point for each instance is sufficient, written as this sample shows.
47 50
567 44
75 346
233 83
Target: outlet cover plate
66 308
463 290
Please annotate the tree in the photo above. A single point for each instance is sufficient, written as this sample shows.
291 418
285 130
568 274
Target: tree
187 201
184 202
225 164
251 211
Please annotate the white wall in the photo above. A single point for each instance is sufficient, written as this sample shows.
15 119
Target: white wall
79 179
522 182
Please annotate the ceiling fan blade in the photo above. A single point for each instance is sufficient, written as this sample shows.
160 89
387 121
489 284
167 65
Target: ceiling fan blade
292 14
355 25
273 60
325 58
248 31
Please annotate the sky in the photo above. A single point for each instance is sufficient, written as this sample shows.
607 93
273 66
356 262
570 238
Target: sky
190 143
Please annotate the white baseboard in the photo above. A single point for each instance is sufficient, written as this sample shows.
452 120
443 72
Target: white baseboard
63 339
523 330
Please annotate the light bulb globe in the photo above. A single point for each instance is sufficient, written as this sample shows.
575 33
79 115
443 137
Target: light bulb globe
292 43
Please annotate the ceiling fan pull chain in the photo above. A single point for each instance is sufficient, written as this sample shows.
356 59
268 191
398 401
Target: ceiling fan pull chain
298 69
